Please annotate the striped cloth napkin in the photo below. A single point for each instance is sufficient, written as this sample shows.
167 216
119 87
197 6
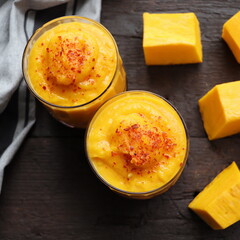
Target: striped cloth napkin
18 20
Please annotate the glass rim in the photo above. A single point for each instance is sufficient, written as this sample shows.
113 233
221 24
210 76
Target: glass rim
160 189
52 22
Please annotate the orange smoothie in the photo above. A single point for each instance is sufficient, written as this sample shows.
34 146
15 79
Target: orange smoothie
137 143
72 65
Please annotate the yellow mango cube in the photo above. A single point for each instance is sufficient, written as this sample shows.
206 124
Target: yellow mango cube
220 110
231 35
219 202
171 38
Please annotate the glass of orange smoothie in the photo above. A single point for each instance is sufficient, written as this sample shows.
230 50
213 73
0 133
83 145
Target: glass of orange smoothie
72 65
137 144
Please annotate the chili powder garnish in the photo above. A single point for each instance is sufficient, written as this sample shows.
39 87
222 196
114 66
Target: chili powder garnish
143 146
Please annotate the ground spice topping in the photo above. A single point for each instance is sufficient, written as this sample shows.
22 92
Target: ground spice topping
69 58
143 146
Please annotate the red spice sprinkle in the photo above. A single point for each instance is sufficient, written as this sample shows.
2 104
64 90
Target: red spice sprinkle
74 52
140 146
166 155
93 59
44 87
98 75
113 154
135 126
42 44
181 164
118 132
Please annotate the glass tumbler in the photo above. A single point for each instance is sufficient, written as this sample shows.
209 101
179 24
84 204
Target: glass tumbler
72 65
137 144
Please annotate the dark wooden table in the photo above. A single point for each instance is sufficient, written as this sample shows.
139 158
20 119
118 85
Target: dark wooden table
49 190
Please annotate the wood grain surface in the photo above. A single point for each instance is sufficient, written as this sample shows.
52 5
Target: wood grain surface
49 190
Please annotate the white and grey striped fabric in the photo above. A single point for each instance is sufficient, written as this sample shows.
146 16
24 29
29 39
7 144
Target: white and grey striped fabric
18 20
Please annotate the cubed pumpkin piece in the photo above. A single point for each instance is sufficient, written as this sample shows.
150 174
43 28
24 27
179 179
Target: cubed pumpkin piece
231 35
219 202
220 110
172 38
